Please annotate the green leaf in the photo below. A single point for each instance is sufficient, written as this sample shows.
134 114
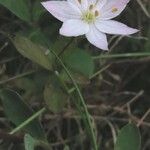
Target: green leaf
38 37
19 7
80 61
37 10
61 42
17 112
32 51
55 98
128 138
66 147
25 84
80 79
29 142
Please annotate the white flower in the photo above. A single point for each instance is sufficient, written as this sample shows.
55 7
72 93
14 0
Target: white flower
90 17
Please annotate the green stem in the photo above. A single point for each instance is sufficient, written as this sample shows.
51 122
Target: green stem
26 122
71 90
100 71
82 101
61 81
67 45
122 55
18 76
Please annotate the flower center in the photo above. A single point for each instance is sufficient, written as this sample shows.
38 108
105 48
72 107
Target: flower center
90 15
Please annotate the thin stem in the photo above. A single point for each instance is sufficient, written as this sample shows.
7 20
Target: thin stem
88 118
26 122
3 47
61 81
143 8
66 46
71 90
100 71
18 76
8 60
122 55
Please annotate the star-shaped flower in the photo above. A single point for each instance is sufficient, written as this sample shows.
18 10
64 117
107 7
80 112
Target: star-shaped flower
90 17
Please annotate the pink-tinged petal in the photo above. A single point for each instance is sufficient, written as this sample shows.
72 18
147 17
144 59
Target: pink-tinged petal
81 4
74 27
113 8
100 4
114 27
97 38
73 6
61 10
92 2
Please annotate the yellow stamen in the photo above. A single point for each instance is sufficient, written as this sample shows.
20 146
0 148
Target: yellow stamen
89 17
114 10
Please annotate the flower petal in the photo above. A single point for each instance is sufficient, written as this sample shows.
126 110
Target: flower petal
61 10
92 2
74 27
113 8
97 38
114 27
100 4
81 4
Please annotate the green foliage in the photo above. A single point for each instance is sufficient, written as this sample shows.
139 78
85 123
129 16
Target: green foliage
128 138
19 7
17 112
55 98
38 37
26 84
80 61
66 147
80 79
37 10
32 51
25 10
29 142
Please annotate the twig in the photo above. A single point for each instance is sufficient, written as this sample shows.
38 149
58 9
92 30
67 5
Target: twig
133 99
8 137
116 42
26 122
100 71
112 130
144 116
17 76
124 55
5 45
143 8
